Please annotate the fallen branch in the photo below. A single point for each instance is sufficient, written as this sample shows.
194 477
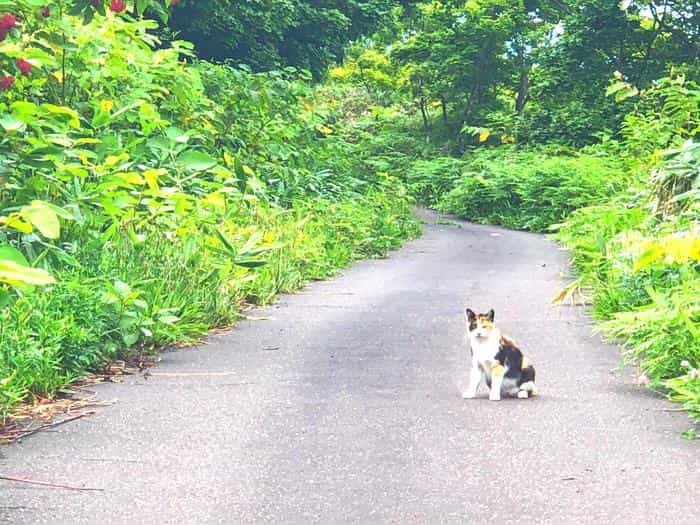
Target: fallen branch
16 434
46 484
25 433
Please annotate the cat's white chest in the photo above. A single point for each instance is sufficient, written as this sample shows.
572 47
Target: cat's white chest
483 351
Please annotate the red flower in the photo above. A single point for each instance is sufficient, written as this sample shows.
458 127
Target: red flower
6 82
8 21
23 66
45 11
117 6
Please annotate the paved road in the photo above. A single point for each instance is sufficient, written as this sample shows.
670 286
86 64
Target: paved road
345 407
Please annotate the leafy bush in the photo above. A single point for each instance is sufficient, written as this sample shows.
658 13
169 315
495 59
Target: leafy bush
528 189
144 199
429 180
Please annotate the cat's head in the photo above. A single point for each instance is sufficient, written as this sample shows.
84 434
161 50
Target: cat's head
480 325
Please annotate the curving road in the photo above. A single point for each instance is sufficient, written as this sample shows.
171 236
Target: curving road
344 406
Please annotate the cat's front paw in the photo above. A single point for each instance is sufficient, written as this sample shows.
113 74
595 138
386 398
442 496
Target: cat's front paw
468 395
494 397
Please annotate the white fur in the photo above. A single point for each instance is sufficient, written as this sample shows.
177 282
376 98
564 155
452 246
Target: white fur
484 348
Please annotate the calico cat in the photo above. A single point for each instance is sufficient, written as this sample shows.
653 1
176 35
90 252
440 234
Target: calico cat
496 360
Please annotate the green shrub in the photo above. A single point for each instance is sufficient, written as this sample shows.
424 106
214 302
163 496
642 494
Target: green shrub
144 199
429 180
531 190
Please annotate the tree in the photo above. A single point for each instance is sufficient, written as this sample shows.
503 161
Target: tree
268 34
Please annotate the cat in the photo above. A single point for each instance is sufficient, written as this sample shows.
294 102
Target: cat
496 360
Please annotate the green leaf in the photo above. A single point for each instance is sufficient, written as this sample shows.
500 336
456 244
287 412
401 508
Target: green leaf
230 249
63 214
17 222
177 135
122 288
141 6
250 263
10 253
43 218
11 123
196 160
252 241
73 117
17 274
100 119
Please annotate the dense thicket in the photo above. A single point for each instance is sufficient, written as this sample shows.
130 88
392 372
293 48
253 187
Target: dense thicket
269 34
145 199
537 68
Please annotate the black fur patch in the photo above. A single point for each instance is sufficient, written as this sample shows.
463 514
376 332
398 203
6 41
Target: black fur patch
471 319
511 358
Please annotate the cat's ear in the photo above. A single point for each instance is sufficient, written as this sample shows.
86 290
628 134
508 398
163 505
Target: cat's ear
471 316
491 315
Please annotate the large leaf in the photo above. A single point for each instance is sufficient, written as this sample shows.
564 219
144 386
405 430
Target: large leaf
18 274
44 218
196 160
72 116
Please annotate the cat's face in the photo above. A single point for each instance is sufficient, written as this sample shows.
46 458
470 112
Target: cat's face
480 325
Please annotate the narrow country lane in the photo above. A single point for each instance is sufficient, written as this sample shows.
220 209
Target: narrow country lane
343 406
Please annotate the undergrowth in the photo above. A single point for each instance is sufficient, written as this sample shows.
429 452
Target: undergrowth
145 199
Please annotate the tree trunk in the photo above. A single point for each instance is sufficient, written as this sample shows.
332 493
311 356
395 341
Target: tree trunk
523 92
424 113
443 104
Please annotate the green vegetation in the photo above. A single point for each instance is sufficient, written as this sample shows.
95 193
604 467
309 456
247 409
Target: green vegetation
145 193
144 199
270 34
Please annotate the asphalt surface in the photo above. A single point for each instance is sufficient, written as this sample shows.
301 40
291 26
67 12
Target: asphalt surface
345 407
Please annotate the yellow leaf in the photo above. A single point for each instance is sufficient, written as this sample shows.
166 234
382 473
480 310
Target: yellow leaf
248 170
228 159
58 75
695 250
679 250
151 177
325 130
484 135
653 253
106 105
131 177
216 200
16 222
43 218
111 160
